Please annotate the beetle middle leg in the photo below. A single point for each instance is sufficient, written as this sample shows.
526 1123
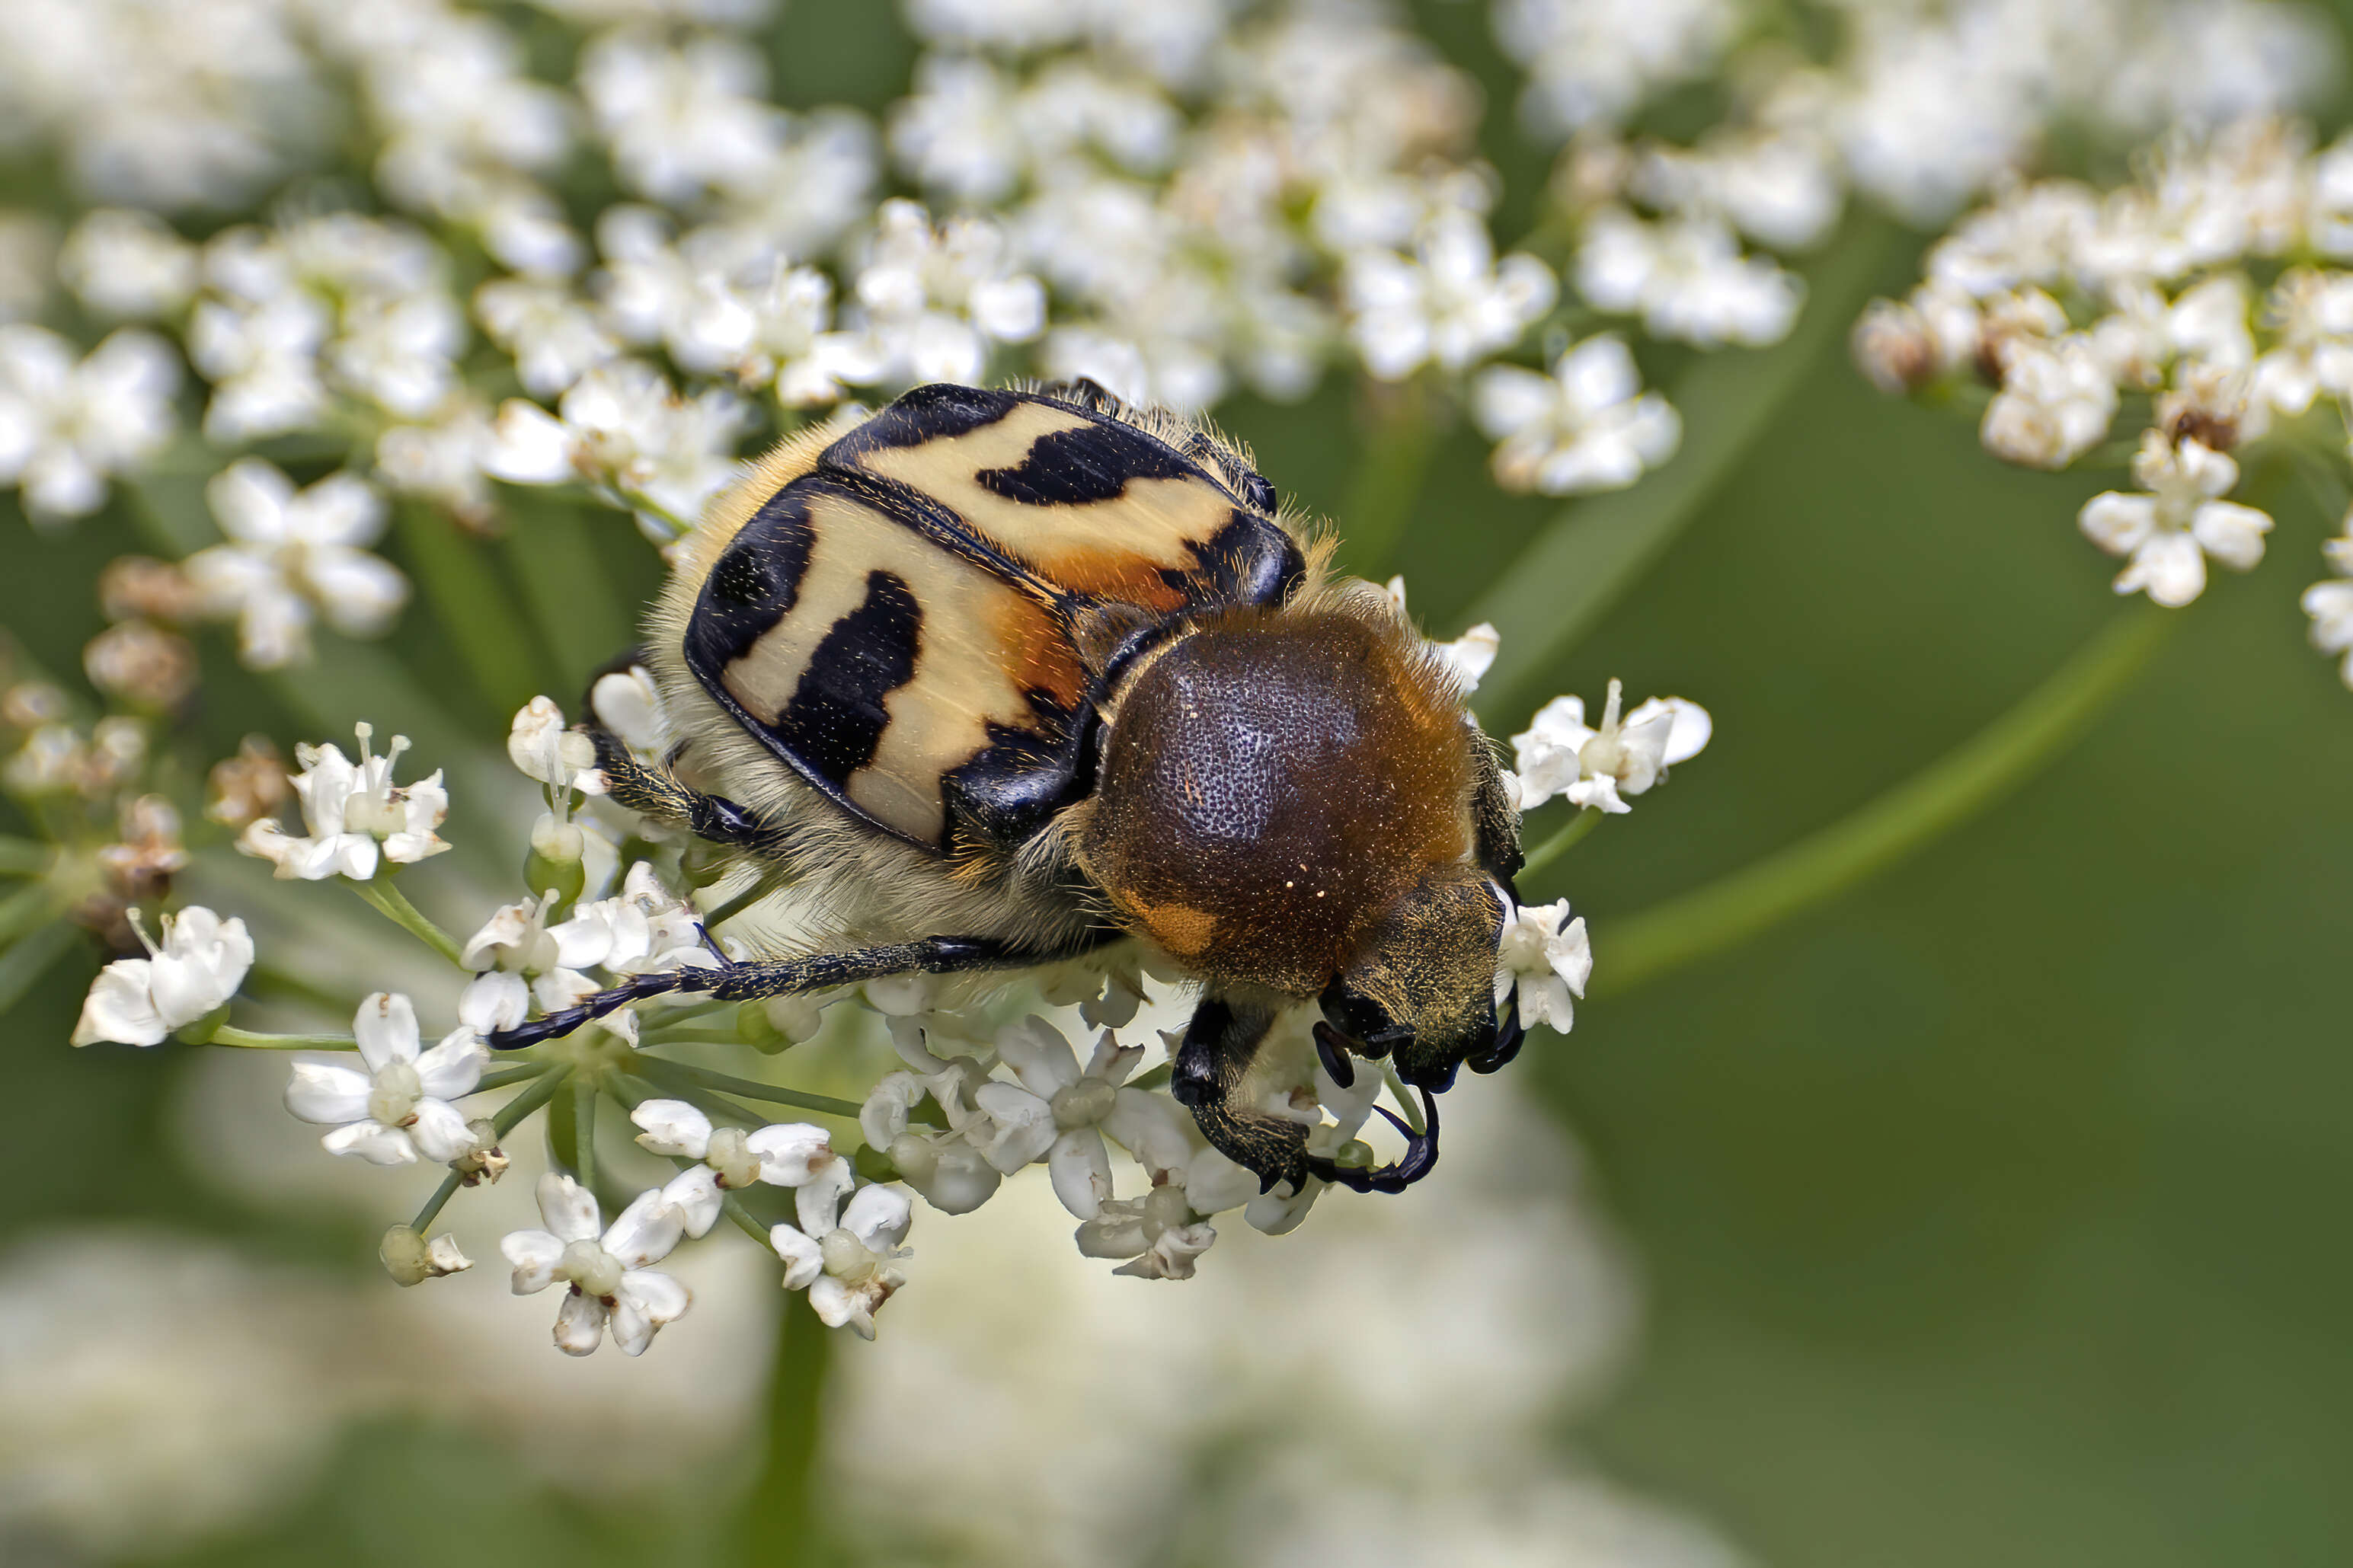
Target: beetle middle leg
761 978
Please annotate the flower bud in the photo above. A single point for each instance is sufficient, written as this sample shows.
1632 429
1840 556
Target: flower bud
485 1161
410 1259
555 864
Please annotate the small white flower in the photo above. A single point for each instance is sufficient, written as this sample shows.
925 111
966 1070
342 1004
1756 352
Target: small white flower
1559 754
2055 403
1586 427
1156 1233
555 336
1451 304
355 815
2168 535
141 1001
541 748
2313 313
1547 957
846 1267
621 428
400 1108
128 264
1056 1112
2330 605
69 422
518 960
794 1154
943 1165
643 929
609 1278
294 554
1687 280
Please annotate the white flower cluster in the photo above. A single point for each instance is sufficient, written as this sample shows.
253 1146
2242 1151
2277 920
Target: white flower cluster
2079 304
1918 106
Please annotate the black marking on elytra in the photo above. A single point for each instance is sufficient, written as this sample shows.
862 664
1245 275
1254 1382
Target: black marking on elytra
753 585
934 413
1093 463
835 720
1014 786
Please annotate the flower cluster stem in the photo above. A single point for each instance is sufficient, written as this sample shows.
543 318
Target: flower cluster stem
1940 797
1571 833
248 1039
658 1069
394 905
778 1507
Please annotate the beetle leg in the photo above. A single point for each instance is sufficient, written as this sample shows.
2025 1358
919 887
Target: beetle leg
781 976
1332 1047
655 792
1420 1156
1212 1072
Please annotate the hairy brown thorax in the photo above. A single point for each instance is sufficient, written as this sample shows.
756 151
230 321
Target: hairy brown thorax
1273 781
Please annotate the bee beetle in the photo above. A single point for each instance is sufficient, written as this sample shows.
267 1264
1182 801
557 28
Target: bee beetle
995 678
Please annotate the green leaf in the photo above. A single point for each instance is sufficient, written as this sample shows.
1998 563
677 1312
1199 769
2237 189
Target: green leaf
1573 572
475 606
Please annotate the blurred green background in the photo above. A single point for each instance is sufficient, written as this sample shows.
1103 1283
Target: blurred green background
1989 1214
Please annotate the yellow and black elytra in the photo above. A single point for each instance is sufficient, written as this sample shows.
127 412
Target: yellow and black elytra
995 678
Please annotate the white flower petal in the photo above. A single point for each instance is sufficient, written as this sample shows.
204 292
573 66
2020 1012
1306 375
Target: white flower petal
579 1324
879 1217
673 1128
694 1193
371 1141
1079 1167
568 1208
451 1069
328 1092
439 1131
804 1259
385 1028
644 1232
534 1254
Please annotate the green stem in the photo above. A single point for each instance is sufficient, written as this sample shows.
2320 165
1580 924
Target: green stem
1399 438
510 1115
584 1129
778 1508
737 904
31 957
394 905
432 1209
522 1073
1580 565
1932 802
656 1068
692 1037
1407 1103
26 858
745 1220
1571 833
247 1039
